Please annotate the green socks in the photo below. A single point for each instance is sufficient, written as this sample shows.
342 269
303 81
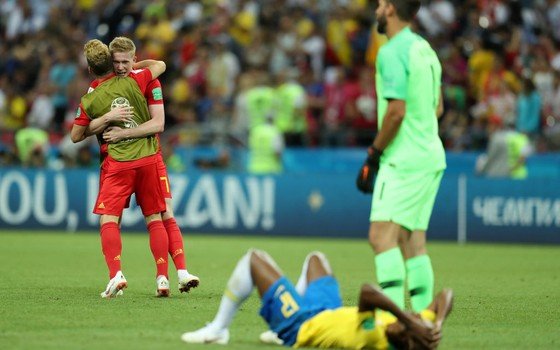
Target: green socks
389 267
390 270
420 280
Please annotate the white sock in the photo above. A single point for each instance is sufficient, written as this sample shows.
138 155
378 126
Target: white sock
238 289
301 285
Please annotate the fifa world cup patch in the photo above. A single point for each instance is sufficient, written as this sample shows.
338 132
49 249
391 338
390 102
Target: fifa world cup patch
157 94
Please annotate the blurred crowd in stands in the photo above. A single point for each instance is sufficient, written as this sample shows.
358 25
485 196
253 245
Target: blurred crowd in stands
501 64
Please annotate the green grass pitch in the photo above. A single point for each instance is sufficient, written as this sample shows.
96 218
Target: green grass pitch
507 296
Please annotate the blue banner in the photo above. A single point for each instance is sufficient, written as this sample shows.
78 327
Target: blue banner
513 211
203 202
466 209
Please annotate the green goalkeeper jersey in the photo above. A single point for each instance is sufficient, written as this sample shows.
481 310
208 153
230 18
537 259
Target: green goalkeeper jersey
118 92
408 69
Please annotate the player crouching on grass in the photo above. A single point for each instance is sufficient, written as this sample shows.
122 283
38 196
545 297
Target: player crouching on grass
311 313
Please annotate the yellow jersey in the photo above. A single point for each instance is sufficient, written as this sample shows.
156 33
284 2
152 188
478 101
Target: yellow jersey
347 328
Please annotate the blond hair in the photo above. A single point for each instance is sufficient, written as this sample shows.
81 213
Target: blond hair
98 57
122 44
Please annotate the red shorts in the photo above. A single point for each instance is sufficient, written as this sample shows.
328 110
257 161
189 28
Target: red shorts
102 175
116 187
164 179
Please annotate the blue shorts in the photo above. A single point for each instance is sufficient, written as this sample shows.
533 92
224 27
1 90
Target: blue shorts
285 310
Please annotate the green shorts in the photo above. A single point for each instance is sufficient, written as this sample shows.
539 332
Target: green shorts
405 198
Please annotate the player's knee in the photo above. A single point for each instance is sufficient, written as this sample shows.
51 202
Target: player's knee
377 244
168 214
255 255
381 242
260 254
103 219
318 259
152 218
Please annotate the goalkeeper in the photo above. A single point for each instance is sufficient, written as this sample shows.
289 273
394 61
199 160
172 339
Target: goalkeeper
407 156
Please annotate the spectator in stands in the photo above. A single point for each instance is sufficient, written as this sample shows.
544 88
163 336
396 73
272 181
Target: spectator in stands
61 75
266 145
543 79
173 161
295 35
240 113
284 45
480 63
7 156
552 121
42 109
338 29
257 54
528 110
24 18
223 69
3 99
32 147
455 78
492 80
78 154
437 17
506 154
361 109
555 108
501 103
155 32
259 100
313 45
334 125
553 16
290 102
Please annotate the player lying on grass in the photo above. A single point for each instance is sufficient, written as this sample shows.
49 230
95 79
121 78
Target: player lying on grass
311 313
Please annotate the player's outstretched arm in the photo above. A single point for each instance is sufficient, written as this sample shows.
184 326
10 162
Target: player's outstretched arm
372 298
156 67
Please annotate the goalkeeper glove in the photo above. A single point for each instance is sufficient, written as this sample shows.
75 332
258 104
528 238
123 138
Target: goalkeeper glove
366 175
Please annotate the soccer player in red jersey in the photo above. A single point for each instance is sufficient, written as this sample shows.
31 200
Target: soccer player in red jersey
123 52
129 166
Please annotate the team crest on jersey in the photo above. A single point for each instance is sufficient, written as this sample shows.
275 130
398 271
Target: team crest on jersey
123 102
157 94
120 102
